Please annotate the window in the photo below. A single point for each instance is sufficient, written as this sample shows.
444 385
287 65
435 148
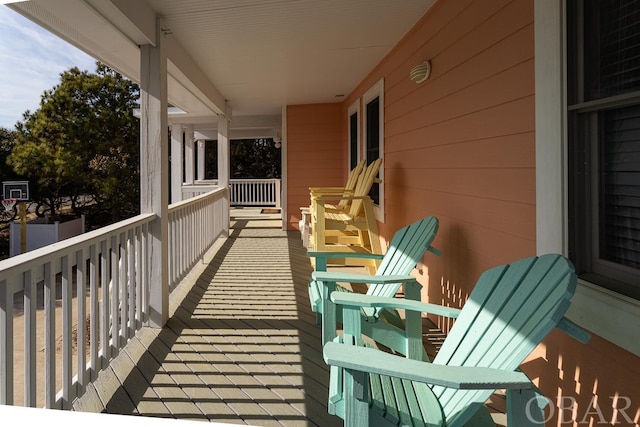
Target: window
373 102
354 134
603 103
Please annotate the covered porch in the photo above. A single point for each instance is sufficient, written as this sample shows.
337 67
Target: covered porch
482 145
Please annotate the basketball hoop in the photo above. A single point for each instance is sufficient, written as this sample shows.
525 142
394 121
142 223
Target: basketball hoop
8 204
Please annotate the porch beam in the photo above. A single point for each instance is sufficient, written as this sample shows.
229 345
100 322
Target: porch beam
137 19
154 158
195 80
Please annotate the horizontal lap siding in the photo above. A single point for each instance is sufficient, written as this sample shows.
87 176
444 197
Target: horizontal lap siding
315 155
461 145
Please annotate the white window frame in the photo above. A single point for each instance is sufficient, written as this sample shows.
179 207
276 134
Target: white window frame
376 91
354 109
613 316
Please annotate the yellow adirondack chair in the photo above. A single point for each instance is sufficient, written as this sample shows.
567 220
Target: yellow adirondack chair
343 204
347 190
352 230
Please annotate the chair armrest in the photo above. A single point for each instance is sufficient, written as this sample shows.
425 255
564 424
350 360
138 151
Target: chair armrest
328 190
573 330
460 377
434 251
330 254
325 198
332 276
361 300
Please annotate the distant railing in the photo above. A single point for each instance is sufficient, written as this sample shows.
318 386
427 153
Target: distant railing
255 192
95 292
242 192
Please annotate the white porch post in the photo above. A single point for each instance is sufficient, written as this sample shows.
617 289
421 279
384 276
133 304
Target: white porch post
223 155
200 168
176 163
223 148
189 159
154 169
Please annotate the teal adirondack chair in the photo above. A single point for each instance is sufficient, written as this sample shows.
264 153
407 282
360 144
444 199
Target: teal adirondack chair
406 249
510 311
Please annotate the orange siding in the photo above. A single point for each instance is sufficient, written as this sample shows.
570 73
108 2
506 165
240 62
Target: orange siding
461 146
315 154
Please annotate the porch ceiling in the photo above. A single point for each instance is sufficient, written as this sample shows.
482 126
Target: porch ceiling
259 55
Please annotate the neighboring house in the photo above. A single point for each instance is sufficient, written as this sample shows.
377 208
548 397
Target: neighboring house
503 144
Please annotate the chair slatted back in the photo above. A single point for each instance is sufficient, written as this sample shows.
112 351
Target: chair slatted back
352 180
406 249
510 310
363 186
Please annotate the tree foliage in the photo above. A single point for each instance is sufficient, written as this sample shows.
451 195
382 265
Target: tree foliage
83 143
255 158
7 141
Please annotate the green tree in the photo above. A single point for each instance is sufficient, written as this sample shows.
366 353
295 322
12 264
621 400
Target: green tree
83 143
255 158
7 141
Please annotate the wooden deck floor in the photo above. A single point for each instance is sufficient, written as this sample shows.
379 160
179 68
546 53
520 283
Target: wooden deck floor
241 345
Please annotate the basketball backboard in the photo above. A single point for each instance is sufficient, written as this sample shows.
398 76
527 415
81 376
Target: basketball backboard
18 190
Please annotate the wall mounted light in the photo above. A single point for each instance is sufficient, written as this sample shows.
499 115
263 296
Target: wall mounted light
420 72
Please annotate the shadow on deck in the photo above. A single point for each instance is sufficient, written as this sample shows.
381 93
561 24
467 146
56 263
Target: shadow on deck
241 345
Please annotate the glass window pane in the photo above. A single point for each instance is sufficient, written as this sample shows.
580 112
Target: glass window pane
612 52
620 187
373 141
353 140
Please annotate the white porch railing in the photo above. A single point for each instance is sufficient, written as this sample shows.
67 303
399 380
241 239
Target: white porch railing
242 192
95 292
255 192
194 225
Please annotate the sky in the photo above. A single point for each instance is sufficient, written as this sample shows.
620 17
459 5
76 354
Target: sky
31 61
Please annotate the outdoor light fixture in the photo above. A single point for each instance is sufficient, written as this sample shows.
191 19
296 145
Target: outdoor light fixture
420 72
277 141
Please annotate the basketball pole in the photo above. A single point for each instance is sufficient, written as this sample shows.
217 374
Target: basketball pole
22 211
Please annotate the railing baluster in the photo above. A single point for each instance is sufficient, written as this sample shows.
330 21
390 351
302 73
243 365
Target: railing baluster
81 325
104 304
139 271
50 336
30 351
145 274
123 290
131 284
6 344
67 333
94 304
114 285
